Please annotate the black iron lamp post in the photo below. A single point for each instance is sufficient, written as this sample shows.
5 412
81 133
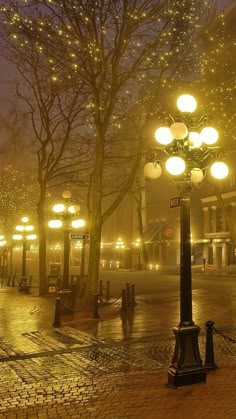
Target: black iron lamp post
25 230
67 211
189 155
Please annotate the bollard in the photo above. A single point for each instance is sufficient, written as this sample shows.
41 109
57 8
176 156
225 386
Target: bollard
132 295
100 288
128 299
209 357
123 301
108 290
57 320
95 307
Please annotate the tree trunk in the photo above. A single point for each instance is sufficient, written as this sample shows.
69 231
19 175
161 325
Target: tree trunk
94 258
43 286
95 217
144 252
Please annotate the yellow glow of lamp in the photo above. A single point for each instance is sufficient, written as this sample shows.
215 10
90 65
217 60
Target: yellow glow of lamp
152 170
58 208
24 219
2 237
163 135
179 130
55 223
175 166
17 237
196 175
219 170
209 135
20 228
186 103
31 237
78 223
29 228
73 209
67 194
195 139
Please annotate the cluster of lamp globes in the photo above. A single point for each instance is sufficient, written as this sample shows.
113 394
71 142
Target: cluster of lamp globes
176 165
25 231
66 210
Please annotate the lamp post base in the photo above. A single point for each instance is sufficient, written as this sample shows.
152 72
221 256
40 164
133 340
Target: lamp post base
186 367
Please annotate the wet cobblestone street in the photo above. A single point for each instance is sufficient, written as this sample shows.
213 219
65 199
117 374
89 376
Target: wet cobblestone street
114 367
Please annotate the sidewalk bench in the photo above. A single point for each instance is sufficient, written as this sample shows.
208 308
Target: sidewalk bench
24 285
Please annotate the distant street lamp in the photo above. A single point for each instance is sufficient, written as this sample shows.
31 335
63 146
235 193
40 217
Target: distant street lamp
67 211
189 155
25 235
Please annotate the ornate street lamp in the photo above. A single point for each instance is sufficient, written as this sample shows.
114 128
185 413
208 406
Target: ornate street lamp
25 235
189 155
67 211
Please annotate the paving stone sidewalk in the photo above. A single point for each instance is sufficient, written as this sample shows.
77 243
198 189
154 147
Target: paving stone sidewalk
71 372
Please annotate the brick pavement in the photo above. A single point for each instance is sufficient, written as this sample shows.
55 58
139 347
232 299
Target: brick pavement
71 372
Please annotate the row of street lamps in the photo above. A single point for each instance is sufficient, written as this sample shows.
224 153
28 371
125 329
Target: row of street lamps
66 212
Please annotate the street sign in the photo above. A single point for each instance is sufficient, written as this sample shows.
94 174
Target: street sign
175 202
80 236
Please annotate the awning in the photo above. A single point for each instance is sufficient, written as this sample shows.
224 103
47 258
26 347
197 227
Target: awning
152 232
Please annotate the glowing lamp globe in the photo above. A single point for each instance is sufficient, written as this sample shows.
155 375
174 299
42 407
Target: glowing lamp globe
195 139
209 135
55 223
20 228
186 103
66 194
179 130
58 208
17 237
152 170
73 209
31 237
196 175
219 170
24 219
78 223
175 166
29 228
163 135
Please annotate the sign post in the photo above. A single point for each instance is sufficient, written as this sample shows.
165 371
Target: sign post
80 236
175 202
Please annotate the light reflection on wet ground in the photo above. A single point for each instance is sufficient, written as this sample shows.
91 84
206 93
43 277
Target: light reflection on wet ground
152 319
157 309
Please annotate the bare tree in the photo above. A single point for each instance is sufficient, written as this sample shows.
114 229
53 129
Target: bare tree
122 55
54 111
